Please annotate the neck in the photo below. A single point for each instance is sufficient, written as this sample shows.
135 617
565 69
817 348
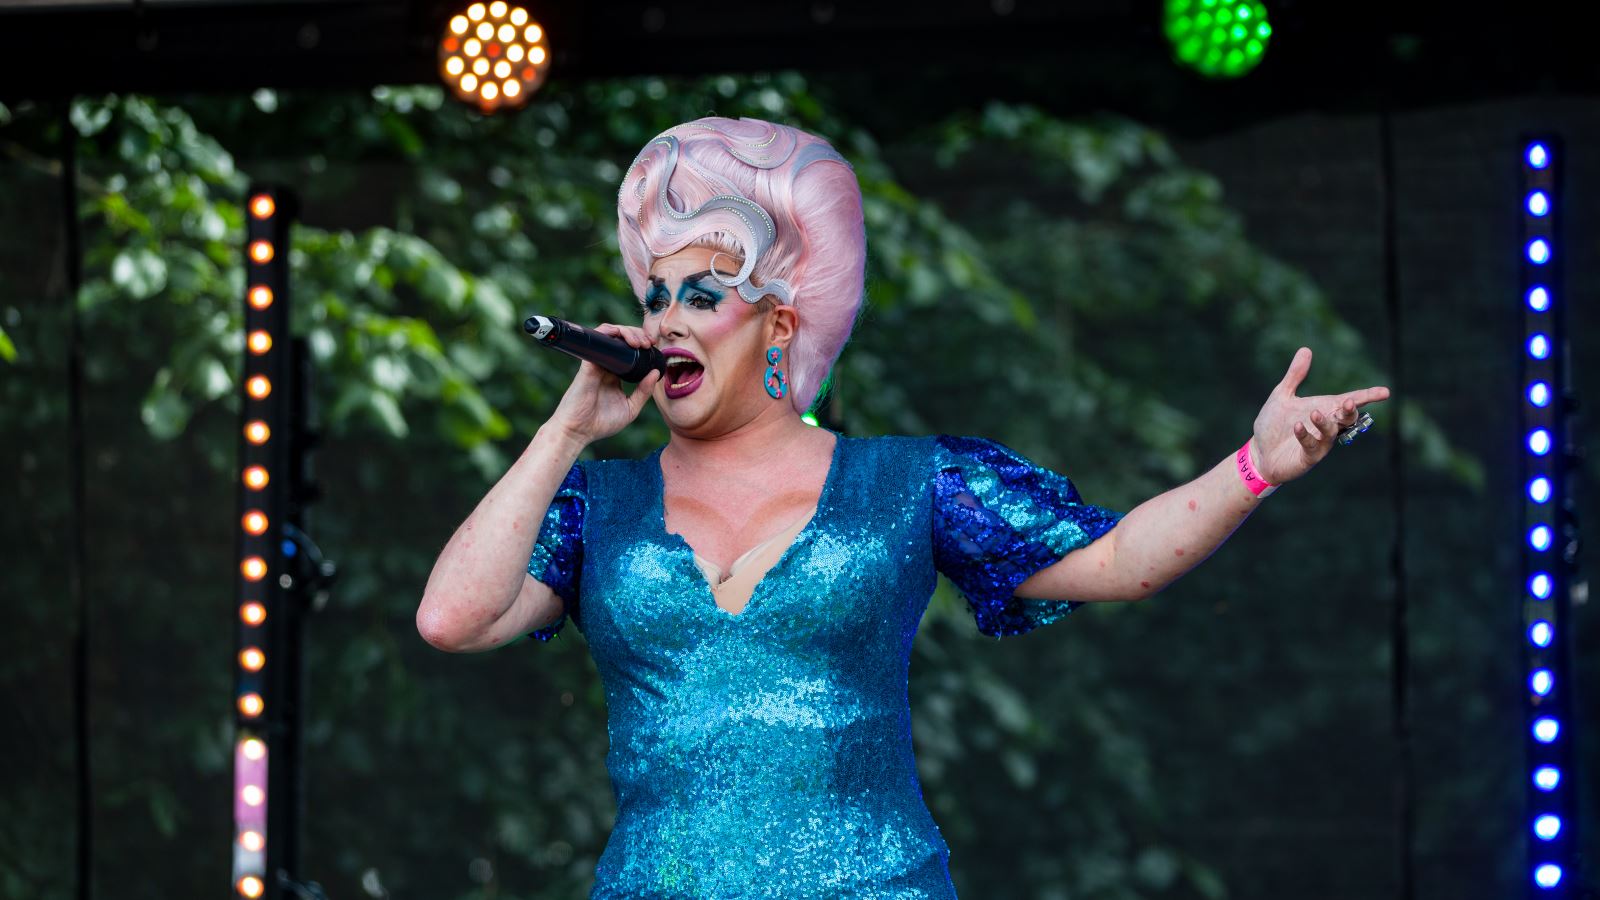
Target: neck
766 437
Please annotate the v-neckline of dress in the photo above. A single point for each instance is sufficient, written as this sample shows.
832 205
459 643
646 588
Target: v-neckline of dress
707 591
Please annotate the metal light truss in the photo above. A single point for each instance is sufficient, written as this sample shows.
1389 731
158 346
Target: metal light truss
1549 531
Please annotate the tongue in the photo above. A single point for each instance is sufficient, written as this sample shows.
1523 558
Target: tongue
686 373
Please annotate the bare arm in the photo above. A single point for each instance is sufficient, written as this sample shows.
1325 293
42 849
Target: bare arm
1153 545
1166 536
479 594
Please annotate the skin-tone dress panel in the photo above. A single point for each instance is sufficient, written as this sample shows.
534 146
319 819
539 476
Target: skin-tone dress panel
732 589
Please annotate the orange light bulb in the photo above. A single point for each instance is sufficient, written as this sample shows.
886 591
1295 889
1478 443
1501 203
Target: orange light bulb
532 34
254 568
262 206
497 9
475 11
519 16
251 705
536 55
257 432
252 659
251 886
252 613
258 386
260 342
252 841
459 25
254 522
255 478
261 251
261 296
254 748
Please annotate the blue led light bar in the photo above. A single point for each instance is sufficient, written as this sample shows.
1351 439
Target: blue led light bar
1547 529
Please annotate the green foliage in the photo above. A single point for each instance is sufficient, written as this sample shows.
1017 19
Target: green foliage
431 233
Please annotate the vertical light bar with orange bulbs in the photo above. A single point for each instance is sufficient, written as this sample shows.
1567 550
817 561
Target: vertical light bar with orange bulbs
263 500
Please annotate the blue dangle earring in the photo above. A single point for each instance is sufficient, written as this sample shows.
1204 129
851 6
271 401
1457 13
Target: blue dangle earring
774 379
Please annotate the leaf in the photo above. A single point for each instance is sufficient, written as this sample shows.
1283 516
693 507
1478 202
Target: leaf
163 410
387 410
139 272
8 350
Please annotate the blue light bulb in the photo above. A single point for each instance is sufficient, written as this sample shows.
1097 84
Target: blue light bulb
1546 730
1539 585
1541 633
1539 203
1539 490
1539 394
1538 251
1539 441
1538 156
1539 299
1547 827
1539 346
1539 538
1547 875
1541 682
1546 778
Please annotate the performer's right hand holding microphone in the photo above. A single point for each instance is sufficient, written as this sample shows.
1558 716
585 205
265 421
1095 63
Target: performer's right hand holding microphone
480 594
595 405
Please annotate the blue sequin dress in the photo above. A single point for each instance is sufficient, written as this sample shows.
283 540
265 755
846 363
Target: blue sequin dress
767 753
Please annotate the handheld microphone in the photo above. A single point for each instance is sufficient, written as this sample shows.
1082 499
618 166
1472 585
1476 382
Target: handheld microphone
609 353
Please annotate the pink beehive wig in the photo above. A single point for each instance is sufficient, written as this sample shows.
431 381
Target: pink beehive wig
749 189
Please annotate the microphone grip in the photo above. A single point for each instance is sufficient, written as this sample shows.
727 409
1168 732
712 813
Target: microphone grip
609 353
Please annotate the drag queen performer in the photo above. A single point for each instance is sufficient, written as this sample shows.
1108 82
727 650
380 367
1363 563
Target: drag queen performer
749 591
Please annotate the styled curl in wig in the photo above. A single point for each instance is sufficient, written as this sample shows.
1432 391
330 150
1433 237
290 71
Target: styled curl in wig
780 201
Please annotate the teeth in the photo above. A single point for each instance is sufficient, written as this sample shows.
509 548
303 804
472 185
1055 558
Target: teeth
678 361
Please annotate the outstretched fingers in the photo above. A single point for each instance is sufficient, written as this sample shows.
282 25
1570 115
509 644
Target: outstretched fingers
1298 367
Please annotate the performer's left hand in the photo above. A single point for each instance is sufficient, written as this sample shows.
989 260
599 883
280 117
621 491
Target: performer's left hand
1292 433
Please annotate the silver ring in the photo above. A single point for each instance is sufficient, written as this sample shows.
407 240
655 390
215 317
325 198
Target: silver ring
1362 424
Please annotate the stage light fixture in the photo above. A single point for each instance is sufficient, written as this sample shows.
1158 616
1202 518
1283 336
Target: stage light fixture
1218 38
481 56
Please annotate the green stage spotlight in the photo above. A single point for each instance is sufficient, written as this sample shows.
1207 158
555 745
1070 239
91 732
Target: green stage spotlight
1218 38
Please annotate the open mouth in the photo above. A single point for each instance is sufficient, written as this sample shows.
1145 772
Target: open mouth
683 376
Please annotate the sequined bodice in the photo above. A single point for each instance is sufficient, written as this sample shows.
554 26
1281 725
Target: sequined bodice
768 753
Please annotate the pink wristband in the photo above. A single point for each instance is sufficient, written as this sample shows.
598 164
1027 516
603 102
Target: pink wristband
1247 472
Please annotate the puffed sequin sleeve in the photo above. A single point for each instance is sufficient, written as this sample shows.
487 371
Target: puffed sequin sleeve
557 558
997 519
